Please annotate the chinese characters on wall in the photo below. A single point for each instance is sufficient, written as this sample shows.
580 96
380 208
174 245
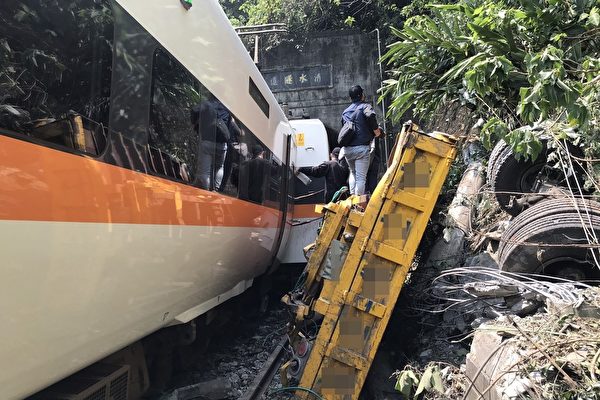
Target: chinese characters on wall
282 80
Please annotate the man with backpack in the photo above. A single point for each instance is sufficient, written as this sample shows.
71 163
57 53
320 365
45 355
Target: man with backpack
212 120
359 128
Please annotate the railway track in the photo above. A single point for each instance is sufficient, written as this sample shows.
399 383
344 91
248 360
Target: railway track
260 385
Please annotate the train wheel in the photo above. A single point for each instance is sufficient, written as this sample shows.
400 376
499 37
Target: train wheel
549 239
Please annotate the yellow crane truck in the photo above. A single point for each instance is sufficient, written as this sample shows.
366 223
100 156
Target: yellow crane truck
358 266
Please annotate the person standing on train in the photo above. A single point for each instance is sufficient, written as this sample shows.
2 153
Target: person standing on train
226 121
366 128
208 120
335 172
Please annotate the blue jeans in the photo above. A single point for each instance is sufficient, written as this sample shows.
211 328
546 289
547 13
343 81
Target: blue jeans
358 161
212 161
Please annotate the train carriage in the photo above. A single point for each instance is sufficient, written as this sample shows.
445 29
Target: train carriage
145 173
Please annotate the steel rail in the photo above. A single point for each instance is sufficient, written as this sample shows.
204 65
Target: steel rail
260 385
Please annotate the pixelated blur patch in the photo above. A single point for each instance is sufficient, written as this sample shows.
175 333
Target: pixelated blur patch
334 260
376 281
337 379
416 175
351 329
395 227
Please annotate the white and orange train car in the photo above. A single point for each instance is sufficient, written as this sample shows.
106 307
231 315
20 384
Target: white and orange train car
145 177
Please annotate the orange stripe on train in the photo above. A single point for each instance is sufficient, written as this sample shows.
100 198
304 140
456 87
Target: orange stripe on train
42 184
306 211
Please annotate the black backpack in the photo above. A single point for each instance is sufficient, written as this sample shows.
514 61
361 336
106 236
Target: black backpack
223 135
348 131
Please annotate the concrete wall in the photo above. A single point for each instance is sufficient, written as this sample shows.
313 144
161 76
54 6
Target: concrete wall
352 58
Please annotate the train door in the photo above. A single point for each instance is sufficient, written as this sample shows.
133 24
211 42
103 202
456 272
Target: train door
311 142
312 149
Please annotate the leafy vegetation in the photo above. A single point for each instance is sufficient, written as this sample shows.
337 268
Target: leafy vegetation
46 54
413 384
513 63
305 17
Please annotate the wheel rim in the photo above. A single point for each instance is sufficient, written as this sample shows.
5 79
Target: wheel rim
567 268
528 178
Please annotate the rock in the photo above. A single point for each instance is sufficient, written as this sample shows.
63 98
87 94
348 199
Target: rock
516 387
487 362
456 319
537 377
530 295
559 308
459 212
490 312
491 289
525 307
448 253
216 389
512 300
235 380
575 357
478 322
588 311
425 354
481 260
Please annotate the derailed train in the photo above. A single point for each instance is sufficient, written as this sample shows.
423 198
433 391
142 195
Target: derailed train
145 177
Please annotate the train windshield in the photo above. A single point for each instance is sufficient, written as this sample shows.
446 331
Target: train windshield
55 64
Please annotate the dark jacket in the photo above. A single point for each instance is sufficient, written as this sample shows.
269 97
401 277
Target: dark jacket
335 173
204 119
373 172
214 122
365 122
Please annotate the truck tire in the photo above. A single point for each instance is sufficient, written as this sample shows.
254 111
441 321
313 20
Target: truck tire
508 176
511 179
552 222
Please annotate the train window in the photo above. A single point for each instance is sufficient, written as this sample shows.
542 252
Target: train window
55 71
276 173
258 97
219 144
254 171
193 136
173 143
233 156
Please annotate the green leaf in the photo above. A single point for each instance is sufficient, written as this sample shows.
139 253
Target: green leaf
448 7
492 131
518 14
524 143
436 380
425 382
406 382
594 17
456 71
431 380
